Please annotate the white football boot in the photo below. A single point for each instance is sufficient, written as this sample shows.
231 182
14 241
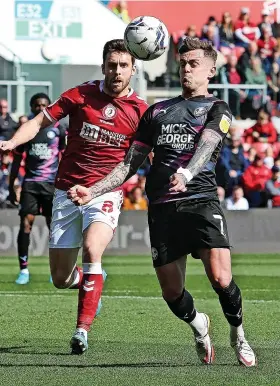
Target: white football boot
244 353
203 345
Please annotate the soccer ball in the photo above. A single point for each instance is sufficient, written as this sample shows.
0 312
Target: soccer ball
146 38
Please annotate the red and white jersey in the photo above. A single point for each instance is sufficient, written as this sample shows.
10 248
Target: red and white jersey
101 129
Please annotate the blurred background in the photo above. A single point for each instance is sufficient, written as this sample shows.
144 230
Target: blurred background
51 45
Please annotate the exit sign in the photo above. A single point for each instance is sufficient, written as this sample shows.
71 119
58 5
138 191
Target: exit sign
42 19
41 29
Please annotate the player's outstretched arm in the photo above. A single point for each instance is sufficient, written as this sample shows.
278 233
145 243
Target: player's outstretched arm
121 173
207 144
26 132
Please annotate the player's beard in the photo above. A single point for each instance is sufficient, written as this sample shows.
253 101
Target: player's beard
117 88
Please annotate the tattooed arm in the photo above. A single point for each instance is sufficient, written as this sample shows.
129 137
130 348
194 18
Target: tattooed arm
208 142
121 173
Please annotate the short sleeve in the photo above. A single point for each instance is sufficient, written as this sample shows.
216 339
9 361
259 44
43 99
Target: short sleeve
219 118
62 106
146 129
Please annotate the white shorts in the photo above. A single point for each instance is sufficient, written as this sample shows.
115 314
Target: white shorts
69 221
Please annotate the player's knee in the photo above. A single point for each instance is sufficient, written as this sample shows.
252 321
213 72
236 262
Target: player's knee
221 281
171 294
91 255
26 226
60 281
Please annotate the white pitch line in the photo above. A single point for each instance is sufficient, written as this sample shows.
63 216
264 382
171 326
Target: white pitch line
127 297
71 292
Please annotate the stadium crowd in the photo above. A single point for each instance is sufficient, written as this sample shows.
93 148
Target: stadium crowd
248 170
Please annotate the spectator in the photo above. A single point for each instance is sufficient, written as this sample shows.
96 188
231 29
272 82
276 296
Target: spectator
234 163
226 32
265 22
263 131
211 23
273 81
135 201
252 152
244 60
254 74
245 30
221 196
212 36
229 74
141 184
237 201
254 180
268 159
273 187
234 130
121 11
266 43
7 125
190 32
276 30
277 162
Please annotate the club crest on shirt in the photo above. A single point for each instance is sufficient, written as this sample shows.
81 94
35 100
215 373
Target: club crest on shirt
51 134
109 111
224 124
199 111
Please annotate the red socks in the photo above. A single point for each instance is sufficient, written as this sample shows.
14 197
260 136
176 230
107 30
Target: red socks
89 294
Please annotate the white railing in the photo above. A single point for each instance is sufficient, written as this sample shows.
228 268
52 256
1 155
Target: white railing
21 84
164 93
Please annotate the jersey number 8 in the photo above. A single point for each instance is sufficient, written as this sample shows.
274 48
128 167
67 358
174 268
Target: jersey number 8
107 206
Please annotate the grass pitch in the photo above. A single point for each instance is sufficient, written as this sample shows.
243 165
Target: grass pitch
136 340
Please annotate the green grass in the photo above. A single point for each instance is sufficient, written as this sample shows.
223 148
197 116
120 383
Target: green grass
136 340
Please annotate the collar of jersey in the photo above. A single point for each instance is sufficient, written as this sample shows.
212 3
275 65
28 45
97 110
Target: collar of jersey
101 86
196 97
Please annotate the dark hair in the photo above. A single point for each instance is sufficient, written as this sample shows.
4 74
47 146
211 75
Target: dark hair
275 169
115 45
258 158
236 187
40 95
211 18
264 109
190 44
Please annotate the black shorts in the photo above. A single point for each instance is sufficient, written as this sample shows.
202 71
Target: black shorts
36 198
181 227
